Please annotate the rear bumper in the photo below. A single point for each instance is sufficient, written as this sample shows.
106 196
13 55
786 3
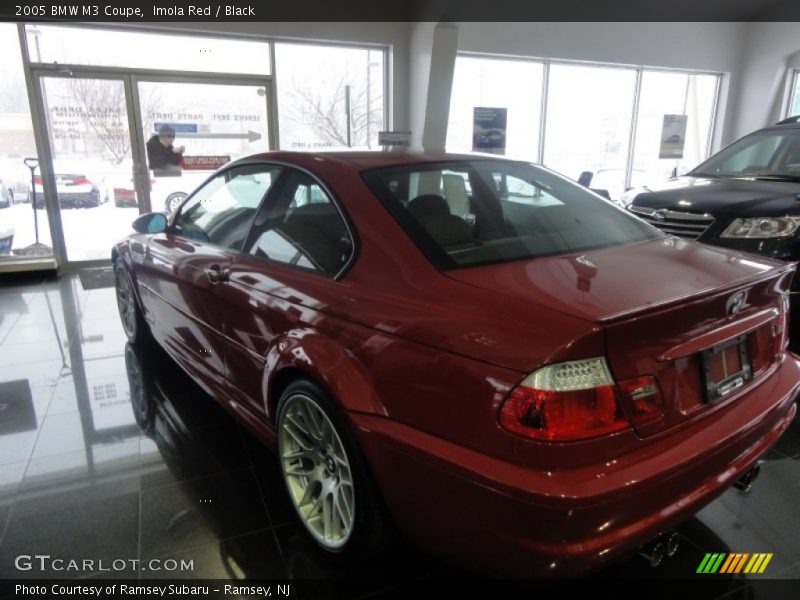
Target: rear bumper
512 521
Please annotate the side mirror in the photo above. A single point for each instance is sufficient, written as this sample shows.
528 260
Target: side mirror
151 223
585 178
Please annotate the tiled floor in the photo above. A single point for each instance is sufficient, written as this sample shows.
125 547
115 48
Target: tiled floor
85 473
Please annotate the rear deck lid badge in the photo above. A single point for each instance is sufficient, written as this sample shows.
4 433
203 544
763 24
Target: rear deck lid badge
735 303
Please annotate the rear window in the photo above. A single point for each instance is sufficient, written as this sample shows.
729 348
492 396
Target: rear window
482 212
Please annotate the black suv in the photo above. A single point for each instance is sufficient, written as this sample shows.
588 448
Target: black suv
746 197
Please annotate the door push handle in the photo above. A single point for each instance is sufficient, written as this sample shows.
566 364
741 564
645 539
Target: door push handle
217 274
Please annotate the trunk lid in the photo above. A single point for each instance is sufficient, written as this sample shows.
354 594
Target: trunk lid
662 304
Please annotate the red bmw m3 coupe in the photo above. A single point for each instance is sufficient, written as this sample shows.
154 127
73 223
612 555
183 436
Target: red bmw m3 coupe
518 375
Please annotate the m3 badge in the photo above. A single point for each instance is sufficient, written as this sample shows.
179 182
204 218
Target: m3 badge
735 303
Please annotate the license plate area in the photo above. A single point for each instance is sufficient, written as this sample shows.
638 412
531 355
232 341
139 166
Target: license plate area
726 368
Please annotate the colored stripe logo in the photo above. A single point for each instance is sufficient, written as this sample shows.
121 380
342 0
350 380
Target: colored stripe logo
736 562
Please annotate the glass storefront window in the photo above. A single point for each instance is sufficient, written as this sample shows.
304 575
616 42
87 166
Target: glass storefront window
133 49
17 225
317 85
515 85
589 116
588 122
671 93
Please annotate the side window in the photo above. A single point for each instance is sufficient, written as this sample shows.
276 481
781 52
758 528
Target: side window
221 212
301 226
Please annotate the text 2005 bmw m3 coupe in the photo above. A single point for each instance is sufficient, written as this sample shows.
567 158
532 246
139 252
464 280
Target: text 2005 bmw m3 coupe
520 376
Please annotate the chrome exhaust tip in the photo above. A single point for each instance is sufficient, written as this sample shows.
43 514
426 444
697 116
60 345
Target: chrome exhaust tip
654 554
745 483
672 544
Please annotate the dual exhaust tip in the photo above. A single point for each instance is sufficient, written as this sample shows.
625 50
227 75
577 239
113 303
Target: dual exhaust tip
745 482
664 547
667 545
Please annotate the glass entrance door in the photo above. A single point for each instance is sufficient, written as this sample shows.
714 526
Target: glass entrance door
125 142
192 127
89 125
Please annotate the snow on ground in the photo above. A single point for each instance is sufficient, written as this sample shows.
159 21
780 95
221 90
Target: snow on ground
89 232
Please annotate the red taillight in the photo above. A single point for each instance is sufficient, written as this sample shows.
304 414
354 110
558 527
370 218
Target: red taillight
562 416
644 398
81 181
37 180
578 400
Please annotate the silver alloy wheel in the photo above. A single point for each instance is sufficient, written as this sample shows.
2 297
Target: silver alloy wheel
126 302
317 471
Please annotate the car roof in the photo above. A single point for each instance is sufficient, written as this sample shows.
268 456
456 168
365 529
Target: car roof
369 159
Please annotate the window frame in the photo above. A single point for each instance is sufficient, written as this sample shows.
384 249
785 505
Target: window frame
172 225
288 168
793 92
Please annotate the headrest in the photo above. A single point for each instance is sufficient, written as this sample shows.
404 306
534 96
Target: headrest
428 205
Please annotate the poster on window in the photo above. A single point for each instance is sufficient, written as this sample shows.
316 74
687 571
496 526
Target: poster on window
489 129
673 136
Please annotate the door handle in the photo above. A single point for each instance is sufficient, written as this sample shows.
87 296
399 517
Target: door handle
216 274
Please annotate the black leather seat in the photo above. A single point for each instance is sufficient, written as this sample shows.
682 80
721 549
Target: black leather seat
433 213
318 230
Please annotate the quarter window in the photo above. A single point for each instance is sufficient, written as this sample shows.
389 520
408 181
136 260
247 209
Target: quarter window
221 211
301 226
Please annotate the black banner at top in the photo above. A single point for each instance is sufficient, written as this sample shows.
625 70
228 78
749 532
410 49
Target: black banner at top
134 11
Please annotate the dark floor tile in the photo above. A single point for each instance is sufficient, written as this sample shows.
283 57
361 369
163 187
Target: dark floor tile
111 572
789 443
306 562
92 279
250 556
79 524
683 565
75 494
93 465
751 523
14 301
61 434
169 457
189 404
17 447
270 482
635 578
5 513
767 589
10 479
200 512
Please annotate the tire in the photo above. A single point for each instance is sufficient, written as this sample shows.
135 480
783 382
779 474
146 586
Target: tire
174 201
326 477
142 402
133 322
